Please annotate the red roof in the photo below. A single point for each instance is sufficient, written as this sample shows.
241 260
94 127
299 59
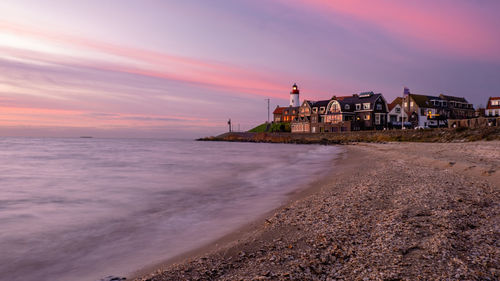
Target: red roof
490 106
279 110
395 102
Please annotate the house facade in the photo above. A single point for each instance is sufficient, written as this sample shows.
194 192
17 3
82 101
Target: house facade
278 114
493 107
364 111
458 107
434 111
310 116
396 114
425 111
290 114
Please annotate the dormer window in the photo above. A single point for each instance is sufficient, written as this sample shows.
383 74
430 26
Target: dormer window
347 107
379 106
315 110
366 105
358 106
322 109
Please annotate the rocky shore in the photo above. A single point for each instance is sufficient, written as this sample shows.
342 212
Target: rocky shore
396 211
427 135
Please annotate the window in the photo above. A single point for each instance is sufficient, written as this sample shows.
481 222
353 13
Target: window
322 109
422 112
377 119
397 109
337 118
358 106
347 107
379 106
445 104
366 105
367 117
411 104
307 110
406 104
335 107
315 110
302 110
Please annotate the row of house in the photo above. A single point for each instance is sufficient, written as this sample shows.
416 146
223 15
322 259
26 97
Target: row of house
370 111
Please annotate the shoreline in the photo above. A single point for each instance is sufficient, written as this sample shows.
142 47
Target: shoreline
246 231
372 219
427 135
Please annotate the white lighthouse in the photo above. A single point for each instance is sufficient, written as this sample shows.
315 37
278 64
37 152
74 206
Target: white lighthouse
294 96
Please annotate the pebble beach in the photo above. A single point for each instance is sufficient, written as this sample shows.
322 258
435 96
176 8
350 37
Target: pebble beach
392 211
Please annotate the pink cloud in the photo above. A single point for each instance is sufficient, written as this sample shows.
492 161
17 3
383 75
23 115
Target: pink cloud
44 117
453 27
156 64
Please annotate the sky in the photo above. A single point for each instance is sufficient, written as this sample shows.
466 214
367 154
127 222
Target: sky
151 68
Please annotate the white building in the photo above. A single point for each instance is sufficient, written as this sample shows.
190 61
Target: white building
396 115
294 96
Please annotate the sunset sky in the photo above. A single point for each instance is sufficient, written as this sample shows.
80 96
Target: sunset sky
151 68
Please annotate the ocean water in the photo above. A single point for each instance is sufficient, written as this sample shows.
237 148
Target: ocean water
84 209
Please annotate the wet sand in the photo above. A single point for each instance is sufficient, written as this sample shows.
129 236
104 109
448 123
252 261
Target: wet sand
396 211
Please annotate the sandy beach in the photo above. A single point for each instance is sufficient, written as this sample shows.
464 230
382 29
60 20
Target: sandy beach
393 211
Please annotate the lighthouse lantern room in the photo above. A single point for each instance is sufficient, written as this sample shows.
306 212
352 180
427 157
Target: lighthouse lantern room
294 96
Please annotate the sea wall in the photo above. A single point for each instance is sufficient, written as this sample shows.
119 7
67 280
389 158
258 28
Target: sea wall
428 135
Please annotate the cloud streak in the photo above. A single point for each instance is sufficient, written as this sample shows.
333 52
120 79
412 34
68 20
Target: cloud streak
151 63
456 27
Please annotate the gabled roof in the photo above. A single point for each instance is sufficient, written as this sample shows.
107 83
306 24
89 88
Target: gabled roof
489 106
423 101
279 110
367 97
395 102
320 103
452 98
288 110
359 99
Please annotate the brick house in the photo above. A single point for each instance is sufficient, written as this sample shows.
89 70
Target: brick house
278 114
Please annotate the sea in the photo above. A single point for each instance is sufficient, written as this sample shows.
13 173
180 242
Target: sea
83 209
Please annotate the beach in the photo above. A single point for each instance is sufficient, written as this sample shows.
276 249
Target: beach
388 211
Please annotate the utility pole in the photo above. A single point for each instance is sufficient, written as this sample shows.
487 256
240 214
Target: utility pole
229 124
268 101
